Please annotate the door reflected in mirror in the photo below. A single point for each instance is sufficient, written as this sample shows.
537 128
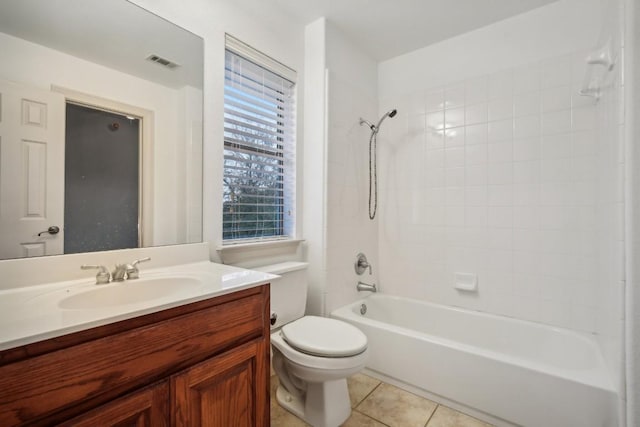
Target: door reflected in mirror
78 75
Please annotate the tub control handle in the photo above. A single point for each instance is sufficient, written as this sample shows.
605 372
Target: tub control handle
273 319
361 265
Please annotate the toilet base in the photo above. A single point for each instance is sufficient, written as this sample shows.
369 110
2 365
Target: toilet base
325 404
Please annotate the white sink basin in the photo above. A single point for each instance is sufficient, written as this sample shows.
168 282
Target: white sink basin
129 292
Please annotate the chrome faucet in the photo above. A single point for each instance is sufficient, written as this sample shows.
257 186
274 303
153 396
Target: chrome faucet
128 271
120 273
132 269
366 287
103 275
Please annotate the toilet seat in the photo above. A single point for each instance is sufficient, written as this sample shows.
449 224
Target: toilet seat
324 337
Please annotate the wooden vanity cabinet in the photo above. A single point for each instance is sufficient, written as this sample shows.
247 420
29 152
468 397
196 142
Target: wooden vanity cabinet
201 364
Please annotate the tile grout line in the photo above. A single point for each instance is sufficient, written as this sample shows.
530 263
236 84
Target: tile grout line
371 418
432 414
369 394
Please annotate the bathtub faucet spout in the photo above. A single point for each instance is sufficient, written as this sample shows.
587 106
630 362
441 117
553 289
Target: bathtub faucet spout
366 287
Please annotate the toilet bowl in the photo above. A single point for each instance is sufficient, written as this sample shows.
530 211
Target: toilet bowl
313 356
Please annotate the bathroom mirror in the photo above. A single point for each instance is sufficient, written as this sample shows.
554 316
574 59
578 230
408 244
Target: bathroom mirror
100 128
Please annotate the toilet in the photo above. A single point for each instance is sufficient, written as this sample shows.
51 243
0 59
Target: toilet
312 355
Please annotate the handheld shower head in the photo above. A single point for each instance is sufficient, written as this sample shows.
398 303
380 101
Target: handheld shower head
390 113
376 128
373 173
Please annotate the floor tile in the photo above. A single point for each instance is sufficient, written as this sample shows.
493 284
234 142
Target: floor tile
280 417
396 407
447 417
360 386
360 420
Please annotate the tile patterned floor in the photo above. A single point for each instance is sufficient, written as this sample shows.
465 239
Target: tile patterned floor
377 404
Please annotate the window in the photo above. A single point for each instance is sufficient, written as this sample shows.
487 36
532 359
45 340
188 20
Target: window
259 146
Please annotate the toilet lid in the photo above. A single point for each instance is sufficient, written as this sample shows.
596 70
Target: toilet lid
321 336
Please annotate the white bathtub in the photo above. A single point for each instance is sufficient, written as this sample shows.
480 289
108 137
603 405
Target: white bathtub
517 371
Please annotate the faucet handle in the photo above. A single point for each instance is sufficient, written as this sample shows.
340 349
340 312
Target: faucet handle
362 264
132 269
119 272
103 275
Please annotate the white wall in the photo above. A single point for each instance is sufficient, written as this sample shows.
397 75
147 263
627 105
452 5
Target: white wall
352 93
272 34
556 29
38 66
315 167
341 88
632 209
610 199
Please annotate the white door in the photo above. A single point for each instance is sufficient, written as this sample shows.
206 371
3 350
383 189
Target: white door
31 171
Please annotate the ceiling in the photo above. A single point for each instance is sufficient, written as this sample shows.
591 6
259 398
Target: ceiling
388 28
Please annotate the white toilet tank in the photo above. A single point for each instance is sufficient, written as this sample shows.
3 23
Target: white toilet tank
289 292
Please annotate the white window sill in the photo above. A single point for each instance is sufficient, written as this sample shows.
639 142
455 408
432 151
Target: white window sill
241 253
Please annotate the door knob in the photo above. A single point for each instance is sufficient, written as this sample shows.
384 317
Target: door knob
54 229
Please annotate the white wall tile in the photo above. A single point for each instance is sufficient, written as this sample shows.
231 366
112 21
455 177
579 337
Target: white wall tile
555 72
474 114
434 139
500 108
583 118
526 172
453 117
475 195
500 152
526 104
475 154
434 100
454 196
454 177
435 121
500 85
454 137
454 96
500 130
500 216
500 195
556 146
500 173
454 157
517 194
558 98
527 149
556 122
476 134
526 79
476 90
417 103
526 127
476 174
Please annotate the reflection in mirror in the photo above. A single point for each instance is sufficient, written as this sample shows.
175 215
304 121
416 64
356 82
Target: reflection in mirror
100 128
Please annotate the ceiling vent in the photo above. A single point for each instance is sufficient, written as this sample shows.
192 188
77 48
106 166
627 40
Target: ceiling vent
162 61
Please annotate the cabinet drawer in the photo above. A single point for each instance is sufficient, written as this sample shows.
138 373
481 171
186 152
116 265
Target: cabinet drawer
67 382
144 408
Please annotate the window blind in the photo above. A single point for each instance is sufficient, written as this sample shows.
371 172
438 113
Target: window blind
259 152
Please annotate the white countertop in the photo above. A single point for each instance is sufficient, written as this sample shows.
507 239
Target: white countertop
32 314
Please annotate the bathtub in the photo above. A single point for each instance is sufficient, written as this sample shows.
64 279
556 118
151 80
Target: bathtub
514 371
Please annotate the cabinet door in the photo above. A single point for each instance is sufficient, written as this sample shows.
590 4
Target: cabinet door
227 390
145 408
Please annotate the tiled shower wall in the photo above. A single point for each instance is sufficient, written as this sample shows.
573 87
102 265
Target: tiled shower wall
495 176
